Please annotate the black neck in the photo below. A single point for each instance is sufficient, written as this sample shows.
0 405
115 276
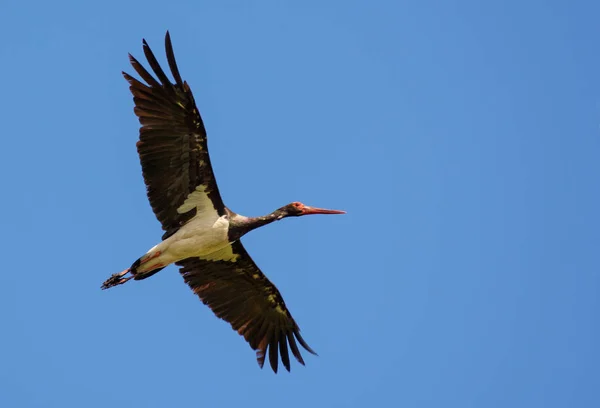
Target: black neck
239 226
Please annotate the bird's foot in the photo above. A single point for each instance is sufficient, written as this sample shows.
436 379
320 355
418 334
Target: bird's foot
116 279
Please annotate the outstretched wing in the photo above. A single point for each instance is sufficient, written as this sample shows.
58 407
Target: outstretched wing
172 147
231 284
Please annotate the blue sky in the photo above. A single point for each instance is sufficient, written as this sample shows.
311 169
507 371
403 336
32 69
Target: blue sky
461 137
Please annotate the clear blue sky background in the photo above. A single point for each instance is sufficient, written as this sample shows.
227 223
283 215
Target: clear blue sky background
462 137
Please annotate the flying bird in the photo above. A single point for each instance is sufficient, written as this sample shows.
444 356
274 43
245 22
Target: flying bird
202 236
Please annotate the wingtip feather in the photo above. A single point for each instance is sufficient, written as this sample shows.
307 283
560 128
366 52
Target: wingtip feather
171 60
294 347
303 343
283 352
260 357
274 354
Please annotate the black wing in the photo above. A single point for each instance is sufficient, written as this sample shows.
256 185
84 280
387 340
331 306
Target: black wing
231 284
172 147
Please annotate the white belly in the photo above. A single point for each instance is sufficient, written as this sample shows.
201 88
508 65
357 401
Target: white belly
197 238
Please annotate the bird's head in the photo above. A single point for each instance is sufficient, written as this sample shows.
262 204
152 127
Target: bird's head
296 209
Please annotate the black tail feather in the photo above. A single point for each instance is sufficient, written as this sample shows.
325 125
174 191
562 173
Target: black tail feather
142 275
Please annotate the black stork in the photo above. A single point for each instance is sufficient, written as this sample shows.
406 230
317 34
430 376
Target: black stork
202 236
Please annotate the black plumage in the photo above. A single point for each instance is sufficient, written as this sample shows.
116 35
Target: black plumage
175 163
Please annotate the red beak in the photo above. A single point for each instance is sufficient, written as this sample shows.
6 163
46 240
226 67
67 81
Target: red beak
312 210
